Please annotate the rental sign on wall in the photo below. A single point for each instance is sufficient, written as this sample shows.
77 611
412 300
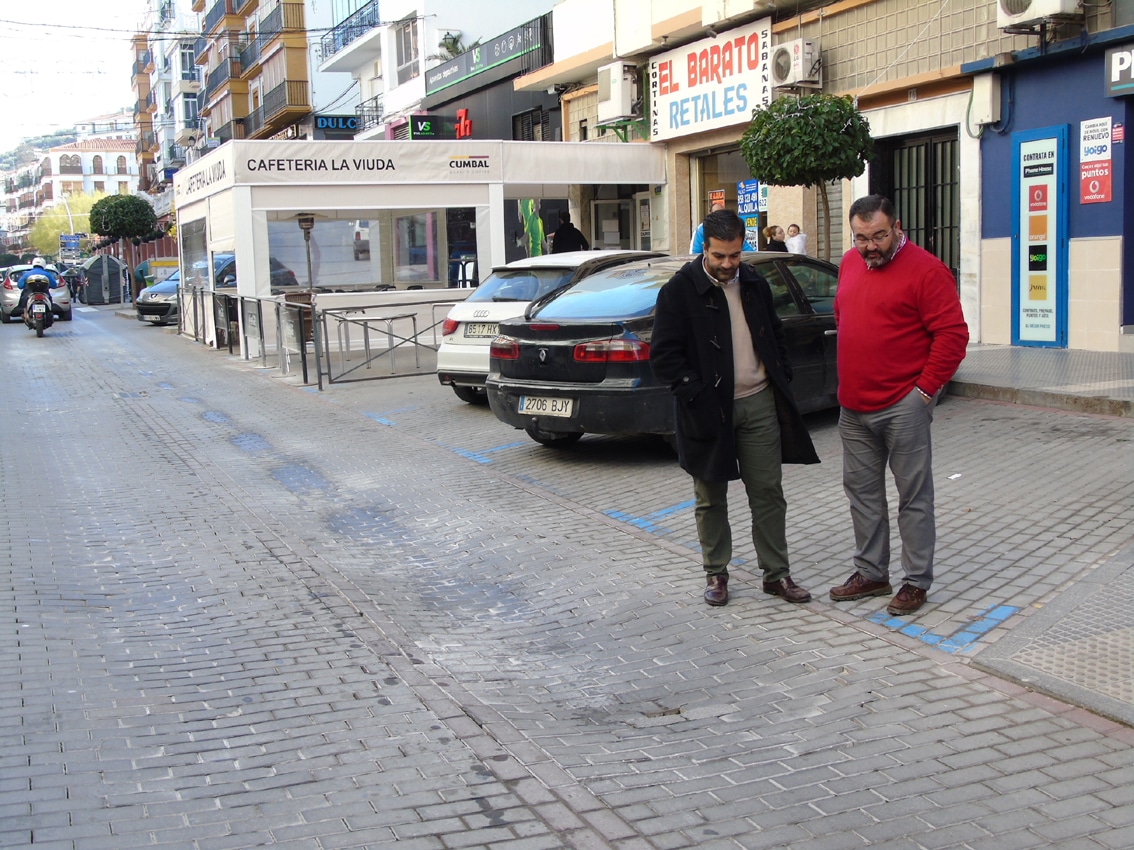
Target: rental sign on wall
712 83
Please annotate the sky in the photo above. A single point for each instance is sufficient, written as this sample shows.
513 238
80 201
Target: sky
64 61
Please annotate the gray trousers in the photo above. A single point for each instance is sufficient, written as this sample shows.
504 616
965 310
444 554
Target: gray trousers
757 434
900 437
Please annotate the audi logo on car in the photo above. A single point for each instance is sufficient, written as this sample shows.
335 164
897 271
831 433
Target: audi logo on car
542 355
479 314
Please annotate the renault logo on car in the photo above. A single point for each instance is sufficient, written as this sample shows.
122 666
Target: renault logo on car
542 355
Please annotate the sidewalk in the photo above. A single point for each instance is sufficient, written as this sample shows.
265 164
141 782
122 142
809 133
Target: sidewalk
1080 647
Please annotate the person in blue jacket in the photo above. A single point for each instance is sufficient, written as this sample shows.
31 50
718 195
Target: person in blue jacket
39 267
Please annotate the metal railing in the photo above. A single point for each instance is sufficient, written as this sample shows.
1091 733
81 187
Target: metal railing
369 113
339 344
350 29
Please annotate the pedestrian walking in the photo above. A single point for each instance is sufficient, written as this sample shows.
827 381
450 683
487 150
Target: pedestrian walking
568 237
719 345
901 336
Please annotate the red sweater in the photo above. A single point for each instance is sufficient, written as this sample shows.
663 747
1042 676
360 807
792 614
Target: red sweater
900 326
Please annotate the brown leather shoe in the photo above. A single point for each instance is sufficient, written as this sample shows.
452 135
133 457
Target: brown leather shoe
787 589
859 586
716 590
907 600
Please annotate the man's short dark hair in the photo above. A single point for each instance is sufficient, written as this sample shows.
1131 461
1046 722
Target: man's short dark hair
564 216
722 225
867 206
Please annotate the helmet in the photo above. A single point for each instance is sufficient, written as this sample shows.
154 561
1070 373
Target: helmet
38 261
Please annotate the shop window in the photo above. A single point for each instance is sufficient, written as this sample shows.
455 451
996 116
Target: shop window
415 248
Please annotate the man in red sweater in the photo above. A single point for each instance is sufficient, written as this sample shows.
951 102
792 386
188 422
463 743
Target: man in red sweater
902 335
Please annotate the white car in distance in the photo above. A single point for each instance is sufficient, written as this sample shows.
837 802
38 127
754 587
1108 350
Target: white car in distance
470 327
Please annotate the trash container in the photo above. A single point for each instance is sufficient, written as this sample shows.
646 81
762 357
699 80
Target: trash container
103 275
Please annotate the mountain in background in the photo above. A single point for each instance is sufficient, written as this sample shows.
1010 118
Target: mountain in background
25 152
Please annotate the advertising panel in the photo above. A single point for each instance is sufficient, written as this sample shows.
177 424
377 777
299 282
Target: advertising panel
712 83
1039 298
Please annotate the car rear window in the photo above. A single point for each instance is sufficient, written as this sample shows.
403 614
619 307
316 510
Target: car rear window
618 293
520 284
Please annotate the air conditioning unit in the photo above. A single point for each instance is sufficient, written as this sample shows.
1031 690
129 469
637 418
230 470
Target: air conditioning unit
797 63
618 93
1023 13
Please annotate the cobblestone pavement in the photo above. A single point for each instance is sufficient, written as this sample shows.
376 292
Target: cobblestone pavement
239 613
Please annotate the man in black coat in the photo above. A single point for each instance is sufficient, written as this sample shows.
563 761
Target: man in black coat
567 236
720 347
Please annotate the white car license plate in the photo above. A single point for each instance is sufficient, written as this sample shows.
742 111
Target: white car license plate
39 308
541 406
482 329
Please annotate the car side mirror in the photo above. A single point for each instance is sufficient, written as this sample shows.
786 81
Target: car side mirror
229 280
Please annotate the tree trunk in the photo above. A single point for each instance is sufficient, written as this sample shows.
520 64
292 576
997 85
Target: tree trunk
823 237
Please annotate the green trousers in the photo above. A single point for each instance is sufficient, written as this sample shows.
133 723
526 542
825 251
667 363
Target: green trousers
757 437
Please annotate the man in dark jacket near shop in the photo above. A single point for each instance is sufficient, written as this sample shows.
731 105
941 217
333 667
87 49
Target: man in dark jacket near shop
720 347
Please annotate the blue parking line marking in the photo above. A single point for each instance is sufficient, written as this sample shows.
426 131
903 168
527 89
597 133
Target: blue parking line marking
649 521
381 420
480 456
962 640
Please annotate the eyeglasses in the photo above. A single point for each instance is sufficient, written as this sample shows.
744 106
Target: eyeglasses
875 239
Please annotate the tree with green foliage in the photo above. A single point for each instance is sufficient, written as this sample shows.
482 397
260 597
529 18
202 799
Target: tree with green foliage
452 46
44 234
123 218
808 141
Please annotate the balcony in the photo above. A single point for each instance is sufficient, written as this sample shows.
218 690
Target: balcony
71 169
201 51
225 71
174 156
216 14
188 132
357 25
250 55
282 106
369 113
232 130
286 16
150 104
189 81
146 142
147 60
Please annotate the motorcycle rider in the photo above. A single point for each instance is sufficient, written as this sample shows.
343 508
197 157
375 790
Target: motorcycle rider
39 267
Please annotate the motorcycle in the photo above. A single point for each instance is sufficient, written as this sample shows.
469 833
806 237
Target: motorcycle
37 311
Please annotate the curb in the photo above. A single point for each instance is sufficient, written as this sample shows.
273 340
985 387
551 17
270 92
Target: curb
1044 398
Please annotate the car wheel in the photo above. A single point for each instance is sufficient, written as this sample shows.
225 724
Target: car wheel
473 395
5 319
553 439
65 316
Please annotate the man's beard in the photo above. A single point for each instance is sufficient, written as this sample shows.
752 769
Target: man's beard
875 260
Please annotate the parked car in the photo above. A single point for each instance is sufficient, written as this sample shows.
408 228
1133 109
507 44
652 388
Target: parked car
10 295
579 363
224 272
158 303
462 358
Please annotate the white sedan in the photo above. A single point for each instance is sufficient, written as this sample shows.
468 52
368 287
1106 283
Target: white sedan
470 327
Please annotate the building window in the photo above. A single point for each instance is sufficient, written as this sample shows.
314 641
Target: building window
191 107
188 62
96 165
406 38
532 126
123 188
100 185
122 165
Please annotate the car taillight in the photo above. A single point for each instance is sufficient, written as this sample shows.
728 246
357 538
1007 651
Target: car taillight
543 326
504 348
8 284
449 326
612 351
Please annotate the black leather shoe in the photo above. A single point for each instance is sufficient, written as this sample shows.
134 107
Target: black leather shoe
787 589
716 590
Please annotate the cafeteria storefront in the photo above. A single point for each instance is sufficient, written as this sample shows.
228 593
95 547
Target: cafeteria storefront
354 215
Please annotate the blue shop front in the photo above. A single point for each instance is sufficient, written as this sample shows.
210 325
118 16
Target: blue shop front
1056 267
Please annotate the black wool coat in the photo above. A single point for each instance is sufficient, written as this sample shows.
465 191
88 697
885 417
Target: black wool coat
691 352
